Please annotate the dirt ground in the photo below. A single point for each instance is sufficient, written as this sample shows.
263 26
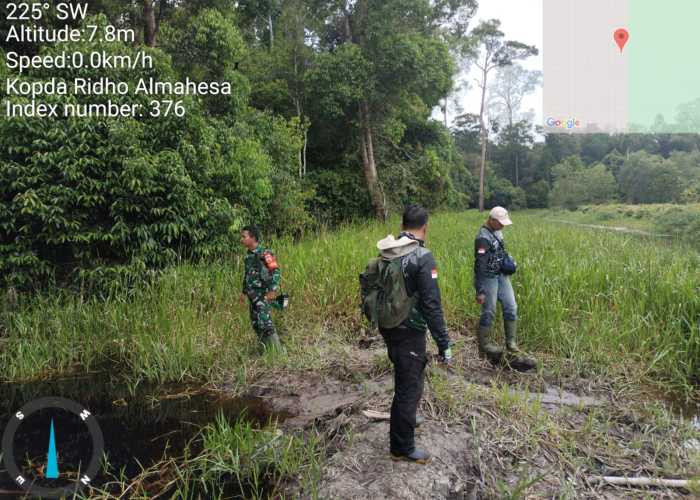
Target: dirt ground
493 433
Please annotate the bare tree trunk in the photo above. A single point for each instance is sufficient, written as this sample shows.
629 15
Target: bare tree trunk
299 41
300 172
366 141
149 23
298 106
484 137
162 5
444 112
346 24
306 142
302 150
517 182
370 168
272 34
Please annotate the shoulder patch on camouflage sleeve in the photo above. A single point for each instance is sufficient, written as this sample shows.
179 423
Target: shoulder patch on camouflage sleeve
270 260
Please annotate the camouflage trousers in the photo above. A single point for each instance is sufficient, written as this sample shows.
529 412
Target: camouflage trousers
261 317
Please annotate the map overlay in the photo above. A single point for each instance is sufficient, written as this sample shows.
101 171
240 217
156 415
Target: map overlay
621 66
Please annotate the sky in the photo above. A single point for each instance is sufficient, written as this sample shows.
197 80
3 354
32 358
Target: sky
521 20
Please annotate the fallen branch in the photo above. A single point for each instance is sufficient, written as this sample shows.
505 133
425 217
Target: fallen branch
376 415
643 481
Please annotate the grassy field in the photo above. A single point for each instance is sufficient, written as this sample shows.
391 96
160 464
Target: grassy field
594 304
601 301
680 223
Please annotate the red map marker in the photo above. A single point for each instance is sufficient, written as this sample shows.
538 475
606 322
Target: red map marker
622 36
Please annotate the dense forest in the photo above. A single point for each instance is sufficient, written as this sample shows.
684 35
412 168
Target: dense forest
330 120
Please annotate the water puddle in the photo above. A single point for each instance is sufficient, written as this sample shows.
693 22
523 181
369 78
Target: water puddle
140 425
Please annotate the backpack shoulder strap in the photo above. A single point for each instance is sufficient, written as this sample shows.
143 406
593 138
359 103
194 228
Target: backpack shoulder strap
499 240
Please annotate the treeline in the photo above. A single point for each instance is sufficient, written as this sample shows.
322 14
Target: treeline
329 120
573 170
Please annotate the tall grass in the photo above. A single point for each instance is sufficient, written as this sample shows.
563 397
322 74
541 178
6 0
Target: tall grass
226 460
681 222
601 300
255 462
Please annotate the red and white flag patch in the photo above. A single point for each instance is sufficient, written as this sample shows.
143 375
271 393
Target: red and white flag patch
433 273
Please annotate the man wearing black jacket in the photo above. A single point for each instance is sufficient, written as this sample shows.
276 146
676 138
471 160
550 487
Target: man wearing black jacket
492 286
406 343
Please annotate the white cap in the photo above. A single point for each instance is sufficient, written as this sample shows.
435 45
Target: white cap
501 215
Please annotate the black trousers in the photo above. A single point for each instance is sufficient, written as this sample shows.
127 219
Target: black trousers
406 349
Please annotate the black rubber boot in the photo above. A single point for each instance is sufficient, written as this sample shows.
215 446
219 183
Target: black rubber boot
511 329
488 349
418 457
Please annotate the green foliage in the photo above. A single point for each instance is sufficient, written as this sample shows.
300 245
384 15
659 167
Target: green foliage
340 195
583 311
682 222
207 47
410 63
282 140
423 180
581 185
90 201
339 79
255 461
464 187
537 194
690 195
501 192
3 69
646 178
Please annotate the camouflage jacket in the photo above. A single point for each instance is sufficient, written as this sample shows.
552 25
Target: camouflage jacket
262 273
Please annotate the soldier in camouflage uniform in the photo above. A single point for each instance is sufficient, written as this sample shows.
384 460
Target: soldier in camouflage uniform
260 284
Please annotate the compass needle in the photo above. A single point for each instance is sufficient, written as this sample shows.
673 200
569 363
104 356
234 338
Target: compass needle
52 468
39 476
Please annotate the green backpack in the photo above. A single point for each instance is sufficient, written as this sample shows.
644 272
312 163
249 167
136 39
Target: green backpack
385 300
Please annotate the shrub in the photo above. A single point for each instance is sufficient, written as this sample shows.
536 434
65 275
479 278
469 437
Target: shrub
340 195
646 178
594 185
88 200
537 194
502 192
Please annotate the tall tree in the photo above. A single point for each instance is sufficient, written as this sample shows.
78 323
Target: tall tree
506 94
400 64
508 89
492 51
453 18
277 73
149 23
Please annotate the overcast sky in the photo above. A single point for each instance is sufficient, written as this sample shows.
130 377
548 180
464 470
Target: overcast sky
521 20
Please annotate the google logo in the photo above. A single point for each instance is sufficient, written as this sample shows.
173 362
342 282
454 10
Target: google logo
557 123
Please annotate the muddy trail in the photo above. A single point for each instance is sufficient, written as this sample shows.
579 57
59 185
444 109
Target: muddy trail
493 432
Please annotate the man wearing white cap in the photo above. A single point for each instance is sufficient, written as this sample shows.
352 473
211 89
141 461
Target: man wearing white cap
492 267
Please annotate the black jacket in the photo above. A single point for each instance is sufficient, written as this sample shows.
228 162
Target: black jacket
420 272
488 255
